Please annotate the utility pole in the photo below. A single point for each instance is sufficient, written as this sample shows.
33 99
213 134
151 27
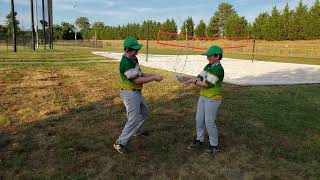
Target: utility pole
253 48
37 28
44 25
75 26
32 26
51 22
14 38
148 33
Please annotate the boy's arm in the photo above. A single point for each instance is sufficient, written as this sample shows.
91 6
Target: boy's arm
211 80
136 76
143 80
197 82
146 78
201 84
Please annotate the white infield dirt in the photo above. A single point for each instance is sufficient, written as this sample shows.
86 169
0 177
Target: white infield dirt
239 72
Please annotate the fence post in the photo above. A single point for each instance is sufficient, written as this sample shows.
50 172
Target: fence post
7 42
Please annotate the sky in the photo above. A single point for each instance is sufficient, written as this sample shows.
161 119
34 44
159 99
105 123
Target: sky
120 12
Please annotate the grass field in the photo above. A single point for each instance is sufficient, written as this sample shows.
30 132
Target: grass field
59 52
304 52
60 121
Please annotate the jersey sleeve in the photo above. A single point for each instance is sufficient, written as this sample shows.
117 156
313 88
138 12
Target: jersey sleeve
213 76
130 70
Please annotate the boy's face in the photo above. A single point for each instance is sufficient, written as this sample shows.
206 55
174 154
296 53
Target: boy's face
132 53
213 59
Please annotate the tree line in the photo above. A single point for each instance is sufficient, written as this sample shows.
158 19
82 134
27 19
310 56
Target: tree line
300 23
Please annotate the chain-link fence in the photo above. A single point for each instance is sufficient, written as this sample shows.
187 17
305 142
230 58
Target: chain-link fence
82 43
303 49
24 12
306 48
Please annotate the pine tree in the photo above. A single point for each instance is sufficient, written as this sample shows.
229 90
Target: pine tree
188 26
300 22
275 25
249 30
97 29
285 20
166 27
143 32
235 26
200 30
173 26
314 21
213 27
261 26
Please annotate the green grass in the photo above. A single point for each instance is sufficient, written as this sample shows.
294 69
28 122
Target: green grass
59 53
64 119
71 53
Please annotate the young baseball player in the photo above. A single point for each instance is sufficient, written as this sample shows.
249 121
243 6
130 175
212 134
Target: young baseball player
210 81
132 80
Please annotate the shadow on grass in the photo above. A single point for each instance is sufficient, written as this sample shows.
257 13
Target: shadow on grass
79 143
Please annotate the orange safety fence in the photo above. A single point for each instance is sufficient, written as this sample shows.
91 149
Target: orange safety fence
233 38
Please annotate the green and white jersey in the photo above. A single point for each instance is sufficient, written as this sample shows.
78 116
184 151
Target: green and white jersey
213 76
129 71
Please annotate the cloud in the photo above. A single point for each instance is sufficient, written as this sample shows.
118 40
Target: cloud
109 3
115 12
141 10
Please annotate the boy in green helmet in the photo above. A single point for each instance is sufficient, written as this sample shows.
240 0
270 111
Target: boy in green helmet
210 81
132 80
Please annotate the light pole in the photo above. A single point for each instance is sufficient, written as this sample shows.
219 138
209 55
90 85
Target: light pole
75 5
32 24
44 25
49 23
37 20
14 38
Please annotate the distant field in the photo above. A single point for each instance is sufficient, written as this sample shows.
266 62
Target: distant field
60 53
301 52
272 48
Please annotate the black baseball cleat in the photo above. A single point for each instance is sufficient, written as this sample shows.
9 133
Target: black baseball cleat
212 149
144 133
121 148
197 144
